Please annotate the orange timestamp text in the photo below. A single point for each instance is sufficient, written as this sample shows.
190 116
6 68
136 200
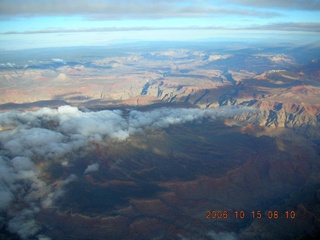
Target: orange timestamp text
256 214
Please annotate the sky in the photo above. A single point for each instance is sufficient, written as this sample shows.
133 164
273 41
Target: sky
54 23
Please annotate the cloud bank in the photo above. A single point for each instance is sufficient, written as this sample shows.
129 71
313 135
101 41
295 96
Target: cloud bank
112 9
29 138
285 26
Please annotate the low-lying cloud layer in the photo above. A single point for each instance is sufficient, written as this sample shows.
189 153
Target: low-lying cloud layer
141 9
288 26
29 138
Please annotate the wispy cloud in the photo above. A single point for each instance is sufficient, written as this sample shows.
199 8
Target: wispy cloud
141 9
286 26
307 5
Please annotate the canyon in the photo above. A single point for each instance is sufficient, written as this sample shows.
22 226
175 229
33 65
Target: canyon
151 141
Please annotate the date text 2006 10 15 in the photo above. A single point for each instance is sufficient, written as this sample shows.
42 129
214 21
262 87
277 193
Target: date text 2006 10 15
270 214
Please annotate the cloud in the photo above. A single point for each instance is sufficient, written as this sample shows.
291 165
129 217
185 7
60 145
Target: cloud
24 224
23 194
28 139
34 141
92 168
222 235
284 26
56 192
287 26
42 237
53 132
309 5
58 60
19 180
10 65
112 9
216 236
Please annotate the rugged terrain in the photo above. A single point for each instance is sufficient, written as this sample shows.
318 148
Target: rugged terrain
282 82
156 138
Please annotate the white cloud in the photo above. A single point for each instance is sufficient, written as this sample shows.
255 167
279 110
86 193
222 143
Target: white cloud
58 60
73 129
19 180
34 141
11 65
24 224
92 168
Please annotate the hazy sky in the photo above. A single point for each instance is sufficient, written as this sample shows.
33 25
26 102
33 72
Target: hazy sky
46 23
